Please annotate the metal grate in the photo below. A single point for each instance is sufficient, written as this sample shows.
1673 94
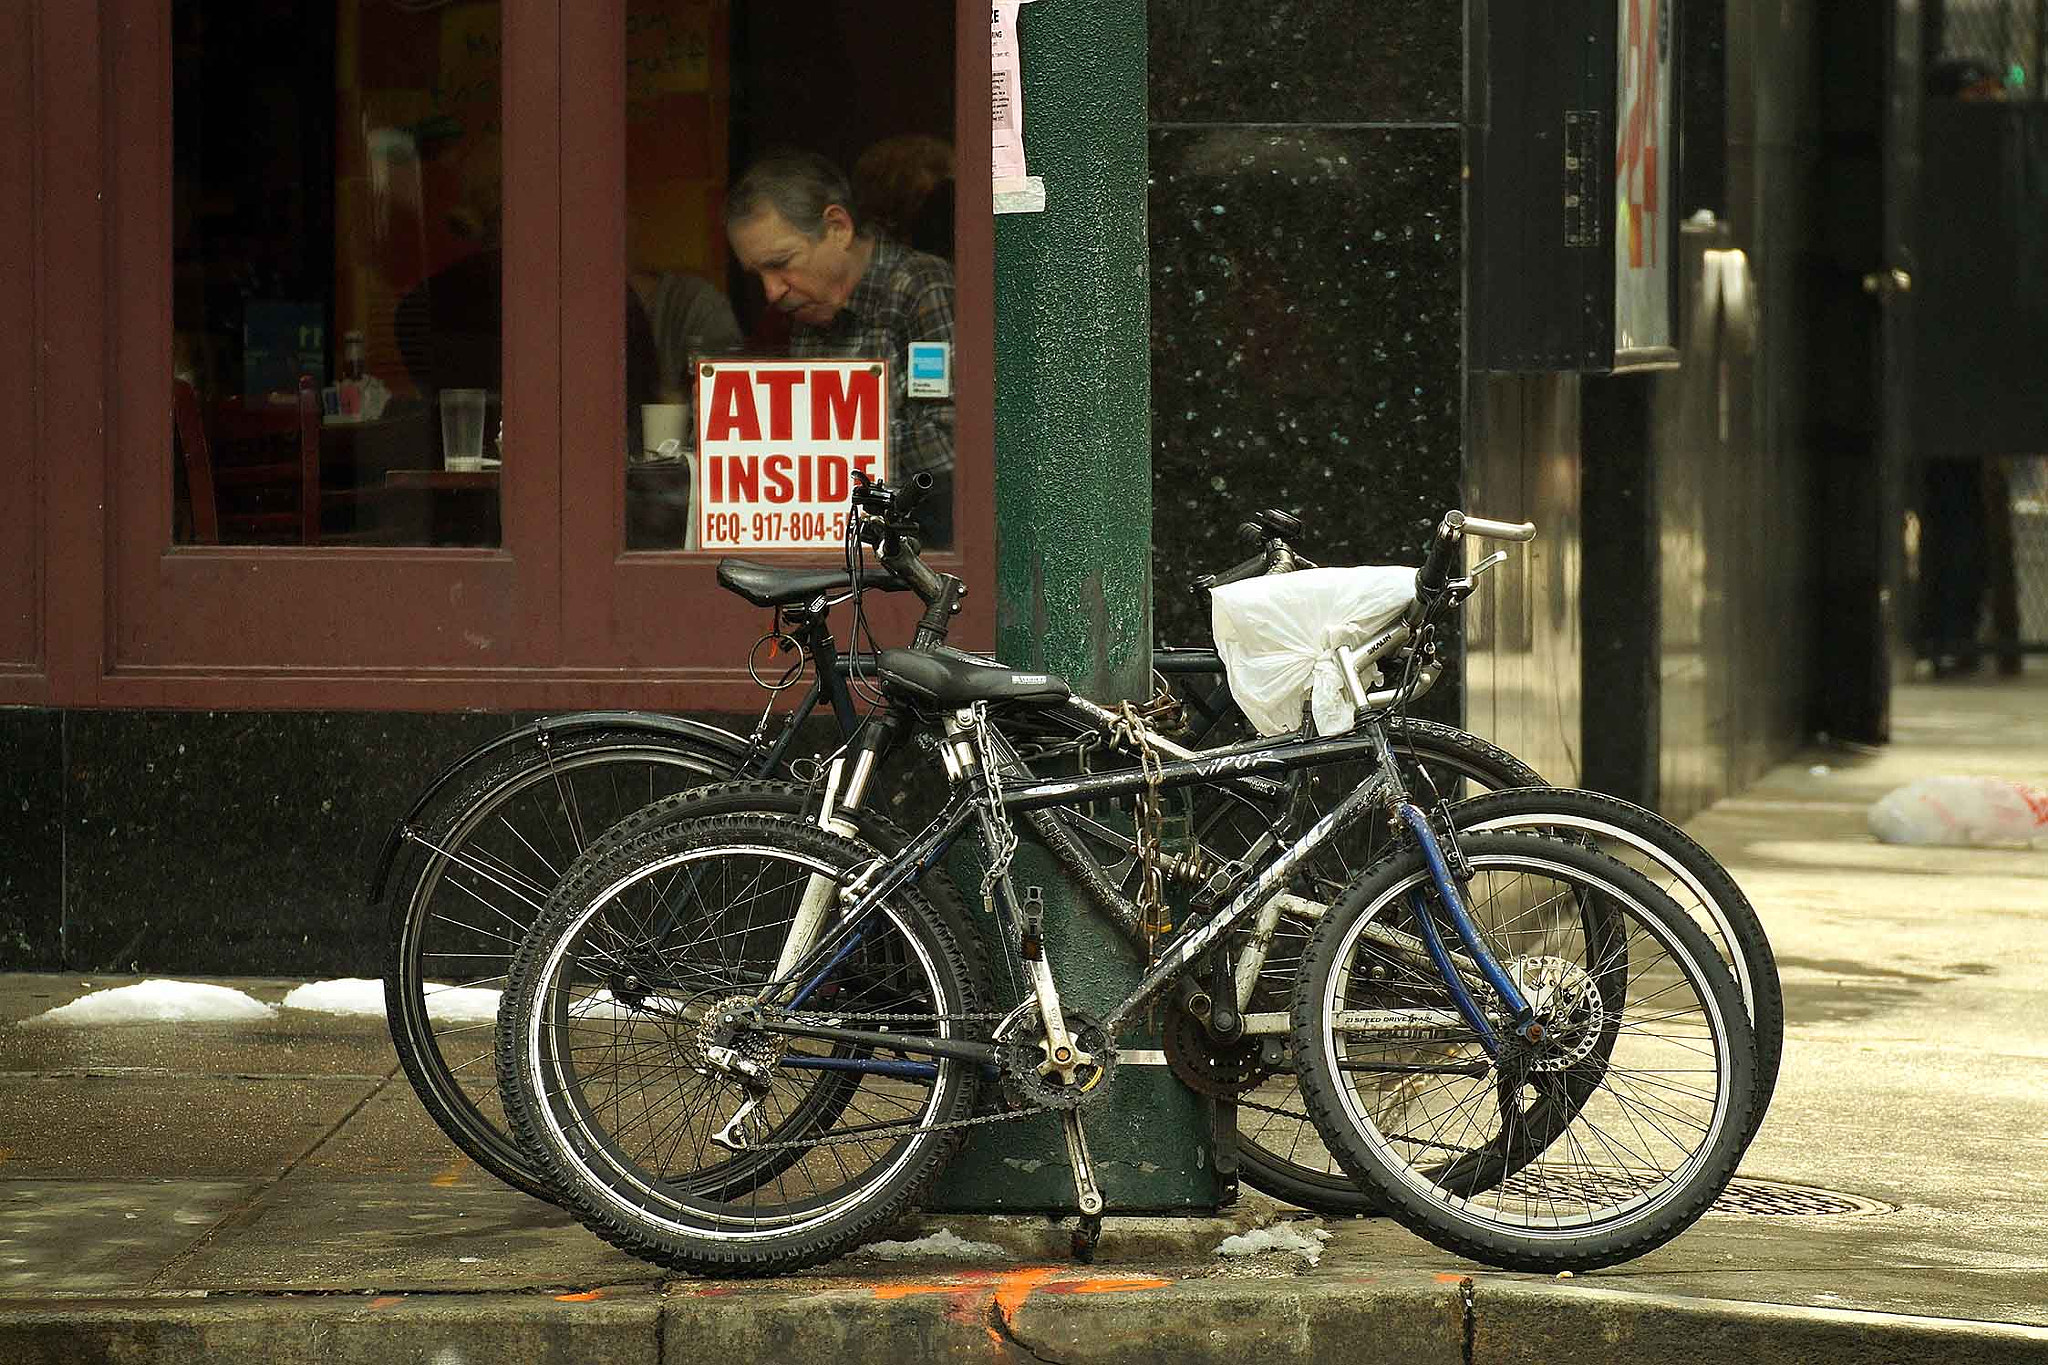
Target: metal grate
1768 1199
1742 1198
1991 47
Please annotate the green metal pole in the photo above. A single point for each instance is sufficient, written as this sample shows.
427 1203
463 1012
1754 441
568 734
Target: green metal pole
1074 553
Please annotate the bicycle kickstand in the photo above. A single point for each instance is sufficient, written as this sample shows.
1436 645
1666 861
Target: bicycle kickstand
1088 1231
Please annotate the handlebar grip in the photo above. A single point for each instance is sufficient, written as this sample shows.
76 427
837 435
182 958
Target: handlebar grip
1251 568
1436 565
1500 530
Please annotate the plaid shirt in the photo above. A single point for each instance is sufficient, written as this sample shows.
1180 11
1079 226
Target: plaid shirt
903 296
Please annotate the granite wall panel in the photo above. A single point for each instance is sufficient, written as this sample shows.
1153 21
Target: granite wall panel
1306 61
238 841
32 835
1306 314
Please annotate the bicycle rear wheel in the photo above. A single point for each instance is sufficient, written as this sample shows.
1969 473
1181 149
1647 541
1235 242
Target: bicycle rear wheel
468 883
1682 870
609 1051
1604 1138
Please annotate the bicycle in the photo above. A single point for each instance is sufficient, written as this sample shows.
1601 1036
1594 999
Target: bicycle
717 964
463 873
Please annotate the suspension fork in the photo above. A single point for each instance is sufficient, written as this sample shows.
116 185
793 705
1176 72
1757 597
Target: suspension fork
1522 1015
846 787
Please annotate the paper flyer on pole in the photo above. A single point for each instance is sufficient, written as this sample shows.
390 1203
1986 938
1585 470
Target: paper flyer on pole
1016 190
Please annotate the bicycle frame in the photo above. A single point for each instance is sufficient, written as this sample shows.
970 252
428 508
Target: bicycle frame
1247 888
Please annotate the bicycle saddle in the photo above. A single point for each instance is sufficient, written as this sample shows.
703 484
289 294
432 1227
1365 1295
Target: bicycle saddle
768 586
955 680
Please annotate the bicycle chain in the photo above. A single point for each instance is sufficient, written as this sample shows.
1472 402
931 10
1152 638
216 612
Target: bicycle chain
902 1130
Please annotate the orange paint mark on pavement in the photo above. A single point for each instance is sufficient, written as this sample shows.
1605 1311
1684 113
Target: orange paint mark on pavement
1111 1286
587 1296
386 1300
451 1176
1016 1286
904 1291
1449 1277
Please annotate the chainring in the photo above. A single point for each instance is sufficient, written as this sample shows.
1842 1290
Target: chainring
1206 1066
1025 1053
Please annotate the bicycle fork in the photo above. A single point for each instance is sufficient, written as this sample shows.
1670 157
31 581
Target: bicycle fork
844 793
1522 1016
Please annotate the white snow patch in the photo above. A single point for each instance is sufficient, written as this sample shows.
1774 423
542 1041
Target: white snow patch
157 1001
1281 1237
349 995
462 1004
943 1244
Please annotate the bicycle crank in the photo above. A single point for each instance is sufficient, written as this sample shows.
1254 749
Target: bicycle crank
1086 1192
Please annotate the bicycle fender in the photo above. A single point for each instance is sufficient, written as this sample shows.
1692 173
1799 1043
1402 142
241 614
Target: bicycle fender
564 726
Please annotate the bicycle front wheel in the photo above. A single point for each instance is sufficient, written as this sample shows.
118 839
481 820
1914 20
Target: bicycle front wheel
1682 870
1606 1137
1279 1151
717 1147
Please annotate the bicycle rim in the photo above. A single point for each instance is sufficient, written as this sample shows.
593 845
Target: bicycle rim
482 876
1605 1140
609 1039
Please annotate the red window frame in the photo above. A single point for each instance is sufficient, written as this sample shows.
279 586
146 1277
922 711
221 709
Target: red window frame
559 616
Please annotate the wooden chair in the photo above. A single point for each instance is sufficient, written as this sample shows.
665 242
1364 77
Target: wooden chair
254 472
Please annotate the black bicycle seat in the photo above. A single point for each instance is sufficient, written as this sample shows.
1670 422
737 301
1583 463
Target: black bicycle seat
765 585
1275 523
955 680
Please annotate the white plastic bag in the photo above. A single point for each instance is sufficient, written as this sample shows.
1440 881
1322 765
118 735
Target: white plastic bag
1961 811
1279 636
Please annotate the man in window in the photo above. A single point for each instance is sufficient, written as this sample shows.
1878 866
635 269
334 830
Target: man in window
847 291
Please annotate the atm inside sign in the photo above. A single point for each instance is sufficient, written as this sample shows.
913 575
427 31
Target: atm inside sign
778 443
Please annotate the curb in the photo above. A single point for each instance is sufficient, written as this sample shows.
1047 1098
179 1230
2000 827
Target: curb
612 1328
1042 1313
1524 1322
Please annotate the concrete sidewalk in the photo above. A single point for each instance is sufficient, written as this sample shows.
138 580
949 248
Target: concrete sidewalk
272 1192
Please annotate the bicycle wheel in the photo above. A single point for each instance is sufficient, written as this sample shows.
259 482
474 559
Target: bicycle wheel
792 800
1682 870
1280 1153
609 1035
472 880
1604 1138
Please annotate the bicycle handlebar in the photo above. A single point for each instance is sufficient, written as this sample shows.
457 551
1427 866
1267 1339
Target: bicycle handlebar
885 523
1435 571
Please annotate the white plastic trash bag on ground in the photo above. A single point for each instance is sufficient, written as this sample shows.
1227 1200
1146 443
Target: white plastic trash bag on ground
1961 811
1279 636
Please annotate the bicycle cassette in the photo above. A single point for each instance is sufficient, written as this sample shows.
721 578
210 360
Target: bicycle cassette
1024 1055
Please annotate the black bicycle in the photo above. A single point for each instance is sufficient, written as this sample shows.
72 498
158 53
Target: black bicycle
738 1043
464 873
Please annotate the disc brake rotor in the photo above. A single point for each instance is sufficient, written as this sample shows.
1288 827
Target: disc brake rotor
1206 1066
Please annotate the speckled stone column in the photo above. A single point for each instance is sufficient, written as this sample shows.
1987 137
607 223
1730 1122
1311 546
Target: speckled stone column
1074 537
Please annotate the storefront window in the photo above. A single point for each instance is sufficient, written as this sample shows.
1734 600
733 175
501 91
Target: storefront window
337 199
831 121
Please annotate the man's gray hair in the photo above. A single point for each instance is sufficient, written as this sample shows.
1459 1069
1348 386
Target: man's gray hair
798 185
